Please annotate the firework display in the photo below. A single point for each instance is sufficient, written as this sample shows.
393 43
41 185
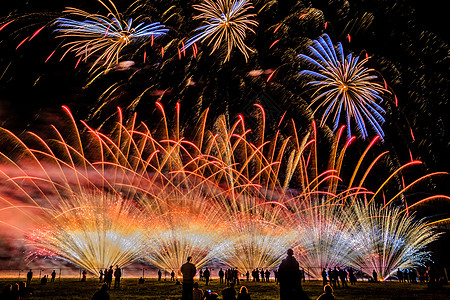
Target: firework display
344 86
103 36
222 198
302 127
227 22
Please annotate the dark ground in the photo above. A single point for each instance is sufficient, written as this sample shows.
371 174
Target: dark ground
152 289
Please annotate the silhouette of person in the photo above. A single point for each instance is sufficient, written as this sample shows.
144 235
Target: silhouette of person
229 293
352 277
247 275
53 276
289 277
117 275
267 273
262 275
172 276
328 293
84 276
6 294
243 294
197 294
29 277
343 277
399 275
206 275
413 275
105 274
109 276
236 276
210 295
188 270
159 275
221 275
15 292
44 280
275 275
330 277
100 278
324 277
375 276
335 277
102 294
23 290
141 280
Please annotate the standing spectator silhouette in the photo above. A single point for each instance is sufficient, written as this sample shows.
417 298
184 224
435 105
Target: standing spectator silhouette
413 275
102 294
172 276
206 275
230 276
109 276
330 277
221 274
236 276
421 276
53 276
375 276
289 277
247 275
335 277
200 273
267 273
84 276
405 276
29 277
324 277
275 275
399 275
352 277
117 275
229 293
105 274
159 275
328 293
243 294
188 270
100 278
343 277
44 280
197 294
262 274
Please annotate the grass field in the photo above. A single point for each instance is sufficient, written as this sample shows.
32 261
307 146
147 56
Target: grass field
152 289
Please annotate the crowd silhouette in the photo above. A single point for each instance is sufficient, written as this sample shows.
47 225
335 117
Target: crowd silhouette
289 276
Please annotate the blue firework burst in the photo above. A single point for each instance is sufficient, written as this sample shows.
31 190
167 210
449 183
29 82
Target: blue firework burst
344 88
